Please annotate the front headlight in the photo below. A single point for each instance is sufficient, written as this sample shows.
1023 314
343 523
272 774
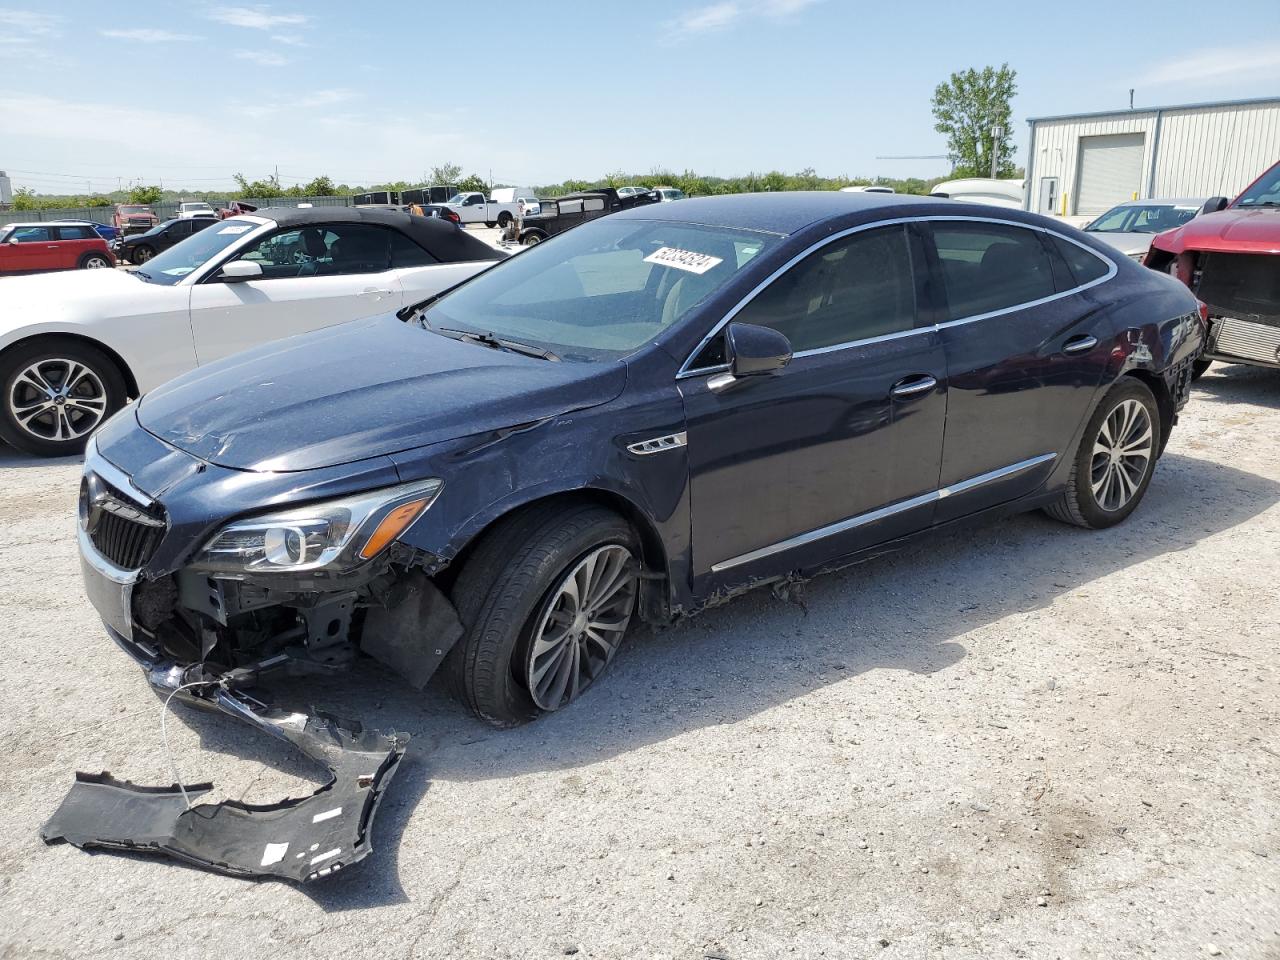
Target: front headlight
334 533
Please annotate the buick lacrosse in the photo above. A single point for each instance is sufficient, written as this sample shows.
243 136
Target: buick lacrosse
649 413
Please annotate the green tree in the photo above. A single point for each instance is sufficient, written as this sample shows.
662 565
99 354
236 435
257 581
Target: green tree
257 189
473 184
145 194
967 108
319 187
445 173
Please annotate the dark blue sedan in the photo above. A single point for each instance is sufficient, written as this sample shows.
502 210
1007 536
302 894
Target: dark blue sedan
643 415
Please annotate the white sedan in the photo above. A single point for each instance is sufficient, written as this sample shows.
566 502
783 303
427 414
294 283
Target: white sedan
75 346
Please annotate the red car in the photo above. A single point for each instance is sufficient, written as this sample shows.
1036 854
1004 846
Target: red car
133 218
1230 257
37 247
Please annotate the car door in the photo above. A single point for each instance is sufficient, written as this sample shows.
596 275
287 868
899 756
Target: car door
73 242
176 232
312 277
839 449
1026 352
32 248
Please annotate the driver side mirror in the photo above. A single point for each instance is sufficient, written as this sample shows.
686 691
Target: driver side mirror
238 271
1214 204
755 350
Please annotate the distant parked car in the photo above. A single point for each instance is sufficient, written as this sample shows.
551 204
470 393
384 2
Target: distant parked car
1131 226
235 208
631 191
667 194
196 208
133 218
105 230
873 188
39 247
109 335
993 192
142 247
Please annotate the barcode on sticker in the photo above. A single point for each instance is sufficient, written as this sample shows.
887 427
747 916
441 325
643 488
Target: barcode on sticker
689 260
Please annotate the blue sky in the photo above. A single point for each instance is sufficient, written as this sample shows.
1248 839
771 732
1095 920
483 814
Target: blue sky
535 93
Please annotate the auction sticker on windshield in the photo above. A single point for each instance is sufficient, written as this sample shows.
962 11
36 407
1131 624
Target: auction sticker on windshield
235 228
687 260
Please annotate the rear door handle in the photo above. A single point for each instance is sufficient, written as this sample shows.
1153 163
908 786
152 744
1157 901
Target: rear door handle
913 386
1082 344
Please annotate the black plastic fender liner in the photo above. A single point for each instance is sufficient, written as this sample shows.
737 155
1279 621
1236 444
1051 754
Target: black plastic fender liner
298 839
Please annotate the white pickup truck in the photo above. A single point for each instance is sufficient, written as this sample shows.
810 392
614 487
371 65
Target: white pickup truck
476 208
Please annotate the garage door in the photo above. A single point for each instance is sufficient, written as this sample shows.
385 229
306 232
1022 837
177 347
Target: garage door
1110 171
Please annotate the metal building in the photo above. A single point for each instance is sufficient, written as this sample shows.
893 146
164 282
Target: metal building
1080 165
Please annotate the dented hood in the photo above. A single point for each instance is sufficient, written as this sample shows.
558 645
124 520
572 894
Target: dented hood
1234 230
361 390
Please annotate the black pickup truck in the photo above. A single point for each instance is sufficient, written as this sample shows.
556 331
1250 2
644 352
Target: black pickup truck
563 213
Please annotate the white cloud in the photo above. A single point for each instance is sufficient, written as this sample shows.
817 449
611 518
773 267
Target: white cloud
719 16
256 18
265 58
1245 64
29 22
146 35
288 40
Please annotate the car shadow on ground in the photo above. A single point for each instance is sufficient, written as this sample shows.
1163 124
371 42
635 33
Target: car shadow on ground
1232 383
902 612
12 458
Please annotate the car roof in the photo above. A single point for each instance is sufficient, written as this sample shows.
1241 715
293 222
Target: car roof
443 239
786 212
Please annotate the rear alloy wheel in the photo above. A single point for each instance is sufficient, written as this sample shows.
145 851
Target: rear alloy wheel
141 254
55 395
1117 456
95 261
545 599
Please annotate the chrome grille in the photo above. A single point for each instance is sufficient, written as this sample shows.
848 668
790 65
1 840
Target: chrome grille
123 532
1249 341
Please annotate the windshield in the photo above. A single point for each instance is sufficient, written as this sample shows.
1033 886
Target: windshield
158 228
1142 218
1264 193
458 198
194 252
196 206
602 290
135 209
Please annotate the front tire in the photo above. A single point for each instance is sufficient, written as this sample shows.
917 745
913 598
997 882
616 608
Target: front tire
56 392
1115 460
141 254
546 599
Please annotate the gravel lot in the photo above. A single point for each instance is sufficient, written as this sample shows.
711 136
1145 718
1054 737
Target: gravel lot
1030 740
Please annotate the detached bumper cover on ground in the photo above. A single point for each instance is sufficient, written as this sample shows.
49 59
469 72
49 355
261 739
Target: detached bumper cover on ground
297 839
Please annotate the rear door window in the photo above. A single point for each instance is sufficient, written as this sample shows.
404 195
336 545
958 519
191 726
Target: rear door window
990 267
76 233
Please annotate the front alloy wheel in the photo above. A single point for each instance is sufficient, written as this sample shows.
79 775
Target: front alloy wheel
55 394
582 624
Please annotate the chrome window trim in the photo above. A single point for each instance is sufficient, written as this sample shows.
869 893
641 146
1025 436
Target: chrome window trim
881 513
687 371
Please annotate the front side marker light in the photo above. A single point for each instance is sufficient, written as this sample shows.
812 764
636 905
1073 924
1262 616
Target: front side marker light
392 525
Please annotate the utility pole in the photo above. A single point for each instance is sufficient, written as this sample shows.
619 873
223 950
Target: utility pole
997 134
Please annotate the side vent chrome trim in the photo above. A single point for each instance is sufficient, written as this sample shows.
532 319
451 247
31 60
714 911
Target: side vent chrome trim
881 513
658 444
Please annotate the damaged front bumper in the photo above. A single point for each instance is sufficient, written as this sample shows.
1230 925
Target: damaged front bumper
298 839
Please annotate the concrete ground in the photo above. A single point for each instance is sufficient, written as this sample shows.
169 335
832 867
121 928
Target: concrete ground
1028 741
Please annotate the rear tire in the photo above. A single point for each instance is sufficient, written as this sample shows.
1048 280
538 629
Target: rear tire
94 261
510 597
504 219
55 393
1115 460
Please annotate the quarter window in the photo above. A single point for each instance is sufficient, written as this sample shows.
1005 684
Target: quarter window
988 267
1085 267
852 289
406 253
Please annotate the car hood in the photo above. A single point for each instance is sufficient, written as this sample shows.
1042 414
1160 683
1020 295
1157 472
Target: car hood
1127 243
68 294
361 390
1235 230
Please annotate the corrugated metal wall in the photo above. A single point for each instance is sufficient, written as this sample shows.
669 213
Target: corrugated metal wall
1212 150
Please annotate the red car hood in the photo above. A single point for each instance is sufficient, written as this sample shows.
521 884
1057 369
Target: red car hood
1234 230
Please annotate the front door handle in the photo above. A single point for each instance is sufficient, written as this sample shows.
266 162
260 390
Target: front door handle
380 293
913 386
1082 344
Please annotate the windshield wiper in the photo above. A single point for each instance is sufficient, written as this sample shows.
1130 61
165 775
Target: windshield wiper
497 343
